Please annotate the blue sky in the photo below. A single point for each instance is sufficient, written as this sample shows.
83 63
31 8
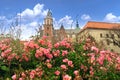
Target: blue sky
64 12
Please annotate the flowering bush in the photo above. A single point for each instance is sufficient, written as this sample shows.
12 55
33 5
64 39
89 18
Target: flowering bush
41 60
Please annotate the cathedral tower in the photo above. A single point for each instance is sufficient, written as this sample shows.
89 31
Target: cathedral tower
48 26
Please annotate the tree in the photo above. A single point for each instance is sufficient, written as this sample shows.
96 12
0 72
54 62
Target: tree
15 30
114 36
39 33
2 30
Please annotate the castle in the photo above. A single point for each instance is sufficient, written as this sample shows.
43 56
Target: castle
103 33
58 34
106 35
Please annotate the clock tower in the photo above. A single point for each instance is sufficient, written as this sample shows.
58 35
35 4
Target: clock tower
48 25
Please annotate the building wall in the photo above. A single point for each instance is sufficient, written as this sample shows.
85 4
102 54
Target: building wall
101 36
48 31
82 35
57 35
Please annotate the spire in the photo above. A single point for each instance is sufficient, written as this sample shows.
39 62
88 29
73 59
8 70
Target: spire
49 14
62 27
77 25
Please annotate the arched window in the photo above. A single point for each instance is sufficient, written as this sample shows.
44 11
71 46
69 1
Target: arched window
101 35
47 28
107 35
47 34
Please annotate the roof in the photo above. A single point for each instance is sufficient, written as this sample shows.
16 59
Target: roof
101 25
62 27
69 31
22 42
49 14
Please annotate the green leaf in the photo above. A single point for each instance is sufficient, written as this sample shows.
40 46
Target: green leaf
4 68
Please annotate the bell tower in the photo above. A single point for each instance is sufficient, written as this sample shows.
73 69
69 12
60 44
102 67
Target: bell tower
48 25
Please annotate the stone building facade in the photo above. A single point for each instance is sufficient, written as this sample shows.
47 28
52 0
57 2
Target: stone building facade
103 33
55 35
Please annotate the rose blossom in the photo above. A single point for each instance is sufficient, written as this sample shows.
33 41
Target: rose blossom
76 72
64 53
65 60
14 77
23 74
21 79
49 65
93 48
92 58
63 67
57 72
56 45
67 77
56 53
32 74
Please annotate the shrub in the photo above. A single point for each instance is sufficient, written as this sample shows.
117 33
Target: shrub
40 60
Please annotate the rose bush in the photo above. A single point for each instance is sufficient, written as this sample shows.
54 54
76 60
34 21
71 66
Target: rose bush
42 60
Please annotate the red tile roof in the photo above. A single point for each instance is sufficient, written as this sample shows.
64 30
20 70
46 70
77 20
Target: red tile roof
22 42
101 25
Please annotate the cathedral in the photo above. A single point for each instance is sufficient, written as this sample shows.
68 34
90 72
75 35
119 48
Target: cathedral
55 35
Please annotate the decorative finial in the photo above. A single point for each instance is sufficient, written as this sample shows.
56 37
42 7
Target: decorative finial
49 14
77 25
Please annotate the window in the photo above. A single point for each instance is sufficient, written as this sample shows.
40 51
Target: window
47 28
114 43
101 35
47 34
108 42
107 35
112 50
112 35
118 36
119 42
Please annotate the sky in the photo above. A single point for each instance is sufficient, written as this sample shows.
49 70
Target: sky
31 13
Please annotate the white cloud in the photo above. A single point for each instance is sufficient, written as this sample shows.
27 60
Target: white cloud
33 24
30 20
66 21
85 17
112 18
33 14
28 31
2 18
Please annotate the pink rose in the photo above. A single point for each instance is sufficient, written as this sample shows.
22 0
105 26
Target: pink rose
14 77
76 72
56 45
21 79
64 53
42 42
63 67
50 56
48 60
23 74
49 65
67 77
70 63
32 74
92 58
57 72
93 48
65 60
